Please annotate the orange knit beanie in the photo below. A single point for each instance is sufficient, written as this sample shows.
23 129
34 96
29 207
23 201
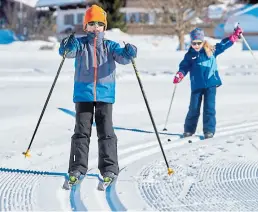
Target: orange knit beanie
95 13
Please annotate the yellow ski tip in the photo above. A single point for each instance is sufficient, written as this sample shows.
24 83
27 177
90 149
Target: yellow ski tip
26 154
170 171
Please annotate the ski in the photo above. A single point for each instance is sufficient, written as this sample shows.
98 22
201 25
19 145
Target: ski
192 139
102 186
189 139
67 185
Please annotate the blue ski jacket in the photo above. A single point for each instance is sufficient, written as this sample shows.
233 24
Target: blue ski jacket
95 67
203 69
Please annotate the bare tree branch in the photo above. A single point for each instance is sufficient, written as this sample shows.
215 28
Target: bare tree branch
182 15
11 10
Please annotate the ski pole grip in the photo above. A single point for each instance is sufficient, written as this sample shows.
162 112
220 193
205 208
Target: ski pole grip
235 27
68 39
132 60
70 36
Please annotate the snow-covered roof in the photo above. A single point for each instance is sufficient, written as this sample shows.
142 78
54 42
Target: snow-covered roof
216 11
31 3
248 10
247 18
47 3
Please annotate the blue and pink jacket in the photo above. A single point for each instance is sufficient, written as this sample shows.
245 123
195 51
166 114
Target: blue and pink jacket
203 69
95 67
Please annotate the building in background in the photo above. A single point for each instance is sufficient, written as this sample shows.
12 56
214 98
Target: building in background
43 18
248 19
68 14
156 17
16 15
147 17
141 16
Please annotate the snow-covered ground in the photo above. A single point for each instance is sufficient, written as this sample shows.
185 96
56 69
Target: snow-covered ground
215 174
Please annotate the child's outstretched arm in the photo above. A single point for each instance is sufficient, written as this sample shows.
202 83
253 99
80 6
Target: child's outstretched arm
227 42
71 46
123 55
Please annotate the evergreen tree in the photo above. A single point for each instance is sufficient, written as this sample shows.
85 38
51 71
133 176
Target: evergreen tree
249 1
115 19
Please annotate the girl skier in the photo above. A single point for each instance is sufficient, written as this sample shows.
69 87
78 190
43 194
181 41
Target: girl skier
94 88
200 61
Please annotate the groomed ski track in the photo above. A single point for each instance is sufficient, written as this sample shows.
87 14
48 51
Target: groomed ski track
21 189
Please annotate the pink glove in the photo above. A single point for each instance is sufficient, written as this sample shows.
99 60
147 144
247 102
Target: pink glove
234 37
178 78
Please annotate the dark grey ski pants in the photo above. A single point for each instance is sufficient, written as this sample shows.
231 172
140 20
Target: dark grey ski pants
107 140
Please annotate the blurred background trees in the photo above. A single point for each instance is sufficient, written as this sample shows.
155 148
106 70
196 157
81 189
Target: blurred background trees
154 17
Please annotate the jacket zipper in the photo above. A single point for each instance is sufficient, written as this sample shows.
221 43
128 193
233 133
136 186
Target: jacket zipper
95 69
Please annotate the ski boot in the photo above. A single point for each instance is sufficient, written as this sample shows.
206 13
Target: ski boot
74 177
187 134
208 135
108 178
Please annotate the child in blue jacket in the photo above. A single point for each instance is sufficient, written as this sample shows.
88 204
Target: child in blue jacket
94 93
200 61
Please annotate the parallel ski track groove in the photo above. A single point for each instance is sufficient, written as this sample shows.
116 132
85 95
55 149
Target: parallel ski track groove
148 191
17 192
151 143
6 186
234 177
237 185
20 185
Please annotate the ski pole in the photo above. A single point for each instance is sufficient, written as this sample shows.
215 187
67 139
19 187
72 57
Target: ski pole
27 153
170 171
173 94
243 38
